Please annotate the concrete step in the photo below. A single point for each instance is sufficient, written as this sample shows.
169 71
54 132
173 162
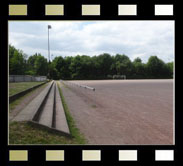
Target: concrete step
46 116
60 118
47 111
29 112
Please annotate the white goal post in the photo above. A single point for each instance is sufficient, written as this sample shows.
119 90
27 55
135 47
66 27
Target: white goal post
119 77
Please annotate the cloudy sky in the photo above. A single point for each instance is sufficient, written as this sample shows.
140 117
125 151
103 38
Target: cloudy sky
70 38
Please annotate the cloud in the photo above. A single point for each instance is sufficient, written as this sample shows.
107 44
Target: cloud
69 38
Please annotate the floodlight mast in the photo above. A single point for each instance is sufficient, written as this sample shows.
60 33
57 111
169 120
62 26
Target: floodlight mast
49 27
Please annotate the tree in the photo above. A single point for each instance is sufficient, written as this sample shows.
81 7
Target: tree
156 68
170 69
86 70
54 74
62 66
17 61
41 65
122 65
67 70
37 65
138 68
137 60
76 67
104 64
31 65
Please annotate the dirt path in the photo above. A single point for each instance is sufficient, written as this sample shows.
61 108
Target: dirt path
123 112
24 101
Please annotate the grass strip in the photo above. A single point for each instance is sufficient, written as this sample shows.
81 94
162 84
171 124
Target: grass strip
21 133
76 134
15 88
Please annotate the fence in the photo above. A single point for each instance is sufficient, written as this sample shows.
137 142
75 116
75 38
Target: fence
26 78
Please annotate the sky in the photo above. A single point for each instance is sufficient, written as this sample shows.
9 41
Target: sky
70 38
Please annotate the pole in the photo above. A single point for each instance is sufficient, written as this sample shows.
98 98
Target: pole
49 27
48 46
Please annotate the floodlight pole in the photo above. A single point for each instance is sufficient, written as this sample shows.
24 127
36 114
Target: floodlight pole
49 27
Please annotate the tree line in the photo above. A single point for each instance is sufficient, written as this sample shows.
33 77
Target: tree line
103 66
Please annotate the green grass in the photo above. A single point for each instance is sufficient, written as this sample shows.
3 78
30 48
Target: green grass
21 86
72 126
16 102
66 86
27 133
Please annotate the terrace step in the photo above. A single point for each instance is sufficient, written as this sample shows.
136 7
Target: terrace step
46 111
30 110
46 116
61 121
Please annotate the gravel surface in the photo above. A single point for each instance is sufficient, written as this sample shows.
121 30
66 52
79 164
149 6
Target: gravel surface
123 112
